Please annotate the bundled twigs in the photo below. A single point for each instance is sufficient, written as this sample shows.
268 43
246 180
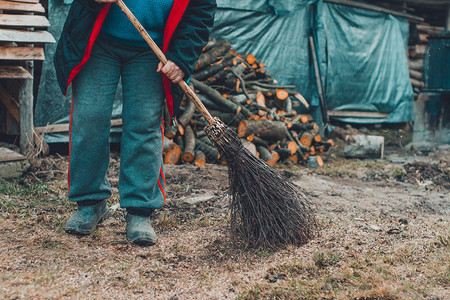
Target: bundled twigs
266 208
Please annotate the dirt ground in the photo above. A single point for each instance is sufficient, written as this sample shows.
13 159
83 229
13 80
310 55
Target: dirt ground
384 234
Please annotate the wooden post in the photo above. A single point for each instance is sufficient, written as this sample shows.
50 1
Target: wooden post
26 112
447 27
26 101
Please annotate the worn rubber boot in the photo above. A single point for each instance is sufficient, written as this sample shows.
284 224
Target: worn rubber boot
86 218
140 230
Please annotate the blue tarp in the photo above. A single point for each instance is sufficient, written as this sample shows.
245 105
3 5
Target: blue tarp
363 61
276 32
362 53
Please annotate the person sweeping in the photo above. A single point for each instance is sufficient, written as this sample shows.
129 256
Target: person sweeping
98 47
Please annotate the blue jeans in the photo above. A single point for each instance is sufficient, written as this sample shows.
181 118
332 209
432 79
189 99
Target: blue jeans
141 182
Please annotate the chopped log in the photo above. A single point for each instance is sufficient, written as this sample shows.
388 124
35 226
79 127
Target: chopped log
215 96
306 139
291 160
417 51
211 56
211 43
416 64
180 129
172 152
242 99
270 157
210 151
187 114
280 98
264 153
285 114
315 161
208 72
317 138
260 142
189 145
171 132
233 75
291 145
282 94
249 146
416 74
364 146
289 111
250 59
266 129
325 145
302 100
300 127
304 119
283 152
260 99
198 123
179 140
417 83
320 149
231 119
200 133
200 159
211 104
218 77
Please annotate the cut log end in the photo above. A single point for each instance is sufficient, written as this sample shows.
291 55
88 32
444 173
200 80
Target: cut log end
172 153
306 139
242 129
282 94
188 157
250 59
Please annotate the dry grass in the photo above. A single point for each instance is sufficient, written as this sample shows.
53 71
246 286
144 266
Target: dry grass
379 240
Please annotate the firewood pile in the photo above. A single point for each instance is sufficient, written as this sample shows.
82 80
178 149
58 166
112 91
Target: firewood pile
416 53
239 90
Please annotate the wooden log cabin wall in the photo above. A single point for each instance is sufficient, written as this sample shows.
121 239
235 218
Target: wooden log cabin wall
23 35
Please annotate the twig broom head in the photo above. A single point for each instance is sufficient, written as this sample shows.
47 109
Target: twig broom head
267 209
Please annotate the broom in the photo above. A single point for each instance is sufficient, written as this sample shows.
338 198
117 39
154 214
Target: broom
267 209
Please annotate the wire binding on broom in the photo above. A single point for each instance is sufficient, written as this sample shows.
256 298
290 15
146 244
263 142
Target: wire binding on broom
267 209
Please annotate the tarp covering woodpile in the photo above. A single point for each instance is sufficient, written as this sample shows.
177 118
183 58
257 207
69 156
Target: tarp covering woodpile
362 53
238 90
362 56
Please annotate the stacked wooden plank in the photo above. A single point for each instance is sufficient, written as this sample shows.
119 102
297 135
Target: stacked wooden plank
23 35
239 90
416 54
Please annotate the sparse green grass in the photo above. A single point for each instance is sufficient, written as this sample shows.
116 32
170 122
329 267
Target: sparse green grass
412 271
24 199
340 167
193 257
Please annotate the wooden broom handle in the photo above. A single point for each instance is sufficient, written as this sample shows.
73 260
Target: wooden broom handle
184 86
